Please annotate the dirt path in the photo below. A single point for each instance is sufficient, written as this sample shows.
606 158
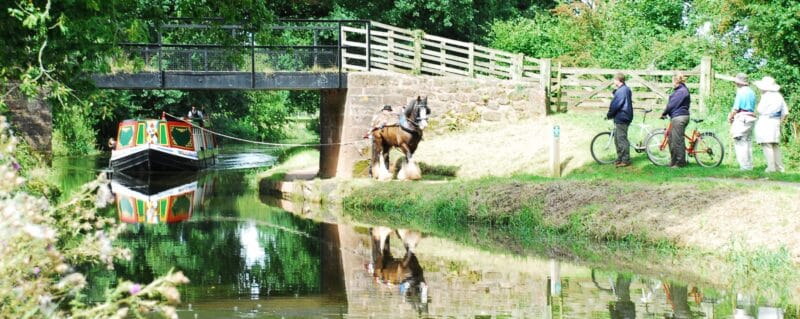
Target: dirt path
505 149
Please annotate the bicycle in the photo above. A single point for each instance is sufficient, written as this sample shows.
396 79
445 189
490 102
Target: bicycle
705 147
603 149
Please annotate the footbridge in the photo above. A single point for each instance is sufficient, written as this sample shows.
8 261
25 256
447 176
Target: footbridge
357 65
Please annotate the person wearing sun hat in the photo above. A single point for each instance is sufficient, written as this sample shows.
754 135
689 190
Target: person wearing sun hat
742 119
772 111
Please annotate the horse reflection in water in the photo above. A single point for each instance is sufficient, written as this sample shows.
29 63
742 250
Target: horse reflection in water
405 272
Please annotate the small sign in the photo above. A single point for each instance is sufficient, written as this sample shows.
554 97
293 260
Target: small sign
556 131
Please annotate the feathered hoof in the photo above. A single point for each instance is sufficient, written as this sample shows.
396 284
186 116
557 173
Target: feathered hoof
411 171
384 175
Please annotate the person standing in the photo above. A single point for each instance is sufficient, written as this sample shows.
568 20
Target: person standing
621 110
742 120
678 111
772 111
195 115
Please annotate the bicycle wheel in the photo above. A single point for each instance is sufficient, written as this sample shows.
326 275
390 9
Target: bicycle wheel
604 151
708 150
657 149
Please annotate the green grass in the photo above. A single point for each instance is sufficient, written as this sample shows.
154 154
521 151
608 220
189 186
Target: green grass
644 171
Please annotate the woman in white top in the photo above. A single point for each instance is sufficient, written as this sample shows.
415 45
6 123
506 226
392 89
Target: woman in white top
772 111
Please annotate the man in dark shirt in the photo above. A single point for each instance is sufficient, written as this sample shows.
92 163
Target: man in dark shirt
621 110
678 111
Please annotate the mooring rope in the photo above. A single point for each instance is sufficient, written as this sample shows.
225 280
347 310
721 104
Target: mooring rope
257 142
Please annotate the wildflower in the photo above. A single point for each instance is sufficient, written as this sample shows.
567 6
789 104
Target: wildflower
62 268
135 289
172 295
15 165
72 281
177 278
36 270
121 313
169 312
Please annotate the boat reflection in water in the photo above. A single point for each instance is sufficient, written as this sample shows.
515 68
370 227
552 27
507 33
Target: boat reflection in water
155 199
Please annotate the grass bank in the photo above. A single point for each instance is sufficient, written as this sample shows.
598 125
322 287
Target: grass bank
631 225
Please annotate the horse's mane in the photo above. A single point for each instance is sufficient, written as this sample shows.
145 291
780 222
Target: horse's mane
410 107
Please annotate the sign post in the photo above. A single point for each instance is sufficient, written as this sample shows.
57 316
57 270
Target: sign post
555 161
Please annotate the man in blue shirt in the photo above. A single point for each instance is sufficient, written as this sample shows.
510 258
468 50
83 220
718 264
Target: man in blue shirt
742 120
621 110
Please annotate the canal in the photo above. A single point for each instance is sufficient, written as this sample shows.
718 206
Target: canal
247 258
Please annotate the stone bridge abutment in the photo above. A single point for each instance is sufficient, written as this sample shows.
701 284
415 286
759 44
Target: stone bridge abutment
345 114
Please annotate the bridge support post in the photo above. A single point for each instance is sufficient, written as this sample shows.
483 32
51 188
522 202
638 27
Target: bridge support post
331 118
32 117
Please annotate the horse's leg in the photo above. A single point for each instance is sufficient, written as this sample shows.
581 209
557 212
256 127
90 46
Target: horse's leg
377 149
386 151
411 171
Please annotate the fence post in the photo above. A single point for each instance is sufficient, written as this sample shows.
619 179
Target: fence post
390 50
418 34
706 81
369 46
342 50
555 157
544 81
516 66
558 89
471 57
442 58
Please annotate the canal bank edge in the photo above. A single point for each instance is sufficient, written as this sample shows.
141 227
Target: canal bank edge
587 221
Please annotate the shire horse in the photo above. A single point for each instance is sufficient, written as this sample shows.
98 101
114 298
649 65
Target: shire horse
405 136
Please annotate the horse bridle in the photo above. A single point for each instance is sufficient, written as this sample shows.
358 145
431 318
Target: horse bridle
418 118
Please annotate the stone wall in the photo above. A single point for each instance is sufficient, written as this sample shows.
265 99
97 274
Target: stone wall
32 120
330 125
454 102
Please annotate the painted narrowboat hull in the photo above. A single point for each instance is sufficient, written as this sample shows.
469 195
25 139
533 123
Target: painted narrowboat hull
160 145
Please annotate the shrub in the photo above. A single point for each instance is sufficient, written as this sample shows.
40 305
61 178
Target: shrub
43 244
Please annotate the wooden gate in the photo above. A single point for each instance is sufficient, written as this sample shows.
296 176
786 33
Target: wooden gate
581 89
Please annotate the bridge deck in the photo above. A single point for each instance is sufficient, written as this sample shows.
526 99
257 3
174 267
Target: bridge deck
209 80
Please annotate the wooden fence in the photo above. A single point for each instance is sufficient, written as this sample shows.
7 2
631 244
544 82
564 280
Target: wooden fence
385 47
400 50
587 89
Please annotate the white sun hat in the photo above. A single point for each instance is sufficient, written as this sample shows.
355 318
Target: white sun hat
767 83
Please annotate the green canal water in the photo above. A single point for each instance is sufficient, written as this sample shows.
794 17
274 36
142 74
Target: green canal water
247 258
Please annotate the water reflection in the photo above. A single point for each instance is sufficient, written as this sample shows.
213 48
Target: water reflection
157 199
404 273
249 259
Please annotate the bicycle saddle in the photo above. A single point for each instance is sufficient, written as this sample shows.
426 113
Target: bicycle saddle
697 121
647 111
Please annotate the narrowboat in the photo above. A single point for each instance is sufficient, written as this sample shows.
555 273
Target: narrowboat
162 145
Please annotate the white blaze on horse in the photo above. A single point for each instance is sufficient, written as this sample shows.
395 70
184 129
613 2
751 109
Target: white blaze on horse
405 135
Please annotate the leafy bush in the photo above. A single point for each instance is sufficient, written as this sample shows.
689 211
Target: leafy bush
42 246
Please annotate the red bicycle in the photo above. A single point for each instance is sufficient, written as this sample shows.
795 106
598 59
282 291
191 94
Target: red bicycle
705 147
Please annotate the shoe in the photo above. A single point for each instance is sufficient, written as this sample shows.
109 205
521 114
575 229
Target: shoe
623 164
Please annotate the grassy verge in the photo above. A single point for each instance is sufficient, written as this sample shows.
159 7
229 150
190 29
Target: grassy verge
597 227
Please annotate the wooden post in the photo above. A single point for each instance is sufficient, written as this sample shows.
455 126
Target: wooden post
706 82
342 50
544 78
555 158
516 67
418 34
558 87
471 57
443 58
390 50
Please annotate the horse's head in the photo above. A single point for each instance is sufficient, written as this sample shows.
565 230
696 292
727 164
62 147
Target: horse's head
417 112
